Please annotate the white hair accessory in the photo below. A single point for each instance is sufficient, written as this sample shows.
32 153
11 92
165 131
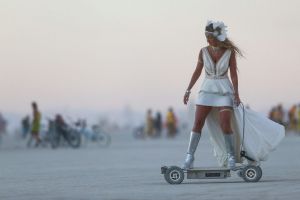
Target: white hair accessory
219 29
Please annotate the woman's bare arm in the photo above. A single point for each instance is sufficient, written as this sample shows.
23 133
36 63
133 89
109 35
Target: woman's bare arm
197 72
194 78
234 76
233 72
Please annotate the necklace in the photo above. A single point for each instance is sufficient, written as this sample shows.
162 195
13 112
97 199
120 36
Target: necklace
215 48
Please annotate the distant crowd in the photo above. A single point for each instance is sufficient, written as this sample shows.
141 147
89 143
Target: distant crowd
155 125
290 118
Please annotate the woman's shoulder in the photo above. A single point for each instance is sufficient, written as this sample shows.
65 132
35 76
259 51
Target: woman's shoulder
204 48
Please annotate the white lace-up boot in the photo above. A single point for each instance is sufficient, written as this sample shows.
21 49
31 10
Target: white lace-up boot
189 160
229 138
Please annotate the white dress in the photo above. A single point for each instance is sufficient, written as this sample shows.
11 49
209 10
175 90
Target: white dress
216 89
261 135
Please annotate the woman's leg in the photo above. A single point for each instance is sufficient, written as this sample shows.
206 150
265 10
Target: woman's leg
200 116
225 119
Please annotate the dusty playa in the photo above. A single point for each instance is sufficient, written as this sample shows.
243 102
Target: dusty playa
130 169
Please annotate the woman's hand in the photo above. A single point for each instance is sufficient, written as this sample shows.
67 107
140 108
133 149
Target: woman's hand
237 99
186 97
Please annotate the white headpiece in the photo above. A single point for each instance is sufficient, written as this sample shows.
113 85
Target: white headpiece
217 29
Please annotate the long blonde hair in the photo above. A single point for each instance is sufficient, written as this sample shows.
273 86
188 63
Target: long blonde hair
228 44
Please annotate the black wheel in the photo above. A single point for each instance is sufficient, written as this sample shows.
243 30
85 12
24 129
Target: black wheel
174 175
103 139
251 173
74 138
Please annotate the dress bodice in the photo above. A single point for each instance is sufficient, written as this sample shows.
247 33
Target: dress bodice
216 79
216 70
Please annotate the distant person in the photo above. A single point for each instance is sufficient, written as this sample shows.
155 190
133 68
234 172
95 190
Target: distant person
158 124
272 114
281 114
82 124
149 129
298 117
278 114
36 124
171 123
3 124
25 126
60 125
292 115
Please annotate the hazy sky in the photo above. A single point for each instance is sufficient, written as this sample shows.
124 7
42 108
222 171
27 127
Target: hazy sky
104 54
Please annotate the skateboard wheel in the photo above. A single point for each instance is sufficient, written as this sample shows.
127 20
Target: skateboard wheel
174 175
251 173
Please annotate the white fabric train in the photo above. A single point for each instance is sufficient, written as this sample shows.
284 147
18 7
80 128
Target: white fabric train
261 136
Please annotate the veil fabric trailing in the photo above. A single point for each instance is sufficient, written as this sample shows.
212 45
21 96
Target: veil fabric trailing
261 135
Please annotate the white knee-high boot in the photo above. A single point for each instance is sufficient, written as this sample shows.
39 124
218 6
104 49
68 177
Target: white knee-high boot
189 160
229 143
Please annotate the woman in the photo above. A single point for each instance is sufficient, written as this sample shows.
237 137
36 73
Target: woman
217 95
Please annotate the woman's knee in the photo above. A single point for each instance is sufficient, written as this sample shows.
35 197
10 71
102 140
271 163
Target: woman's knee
225 118
226 128
200 116
198 125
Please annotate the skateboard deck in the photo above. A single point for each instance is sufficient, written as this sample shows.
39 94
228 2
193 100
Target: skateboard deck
208 173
